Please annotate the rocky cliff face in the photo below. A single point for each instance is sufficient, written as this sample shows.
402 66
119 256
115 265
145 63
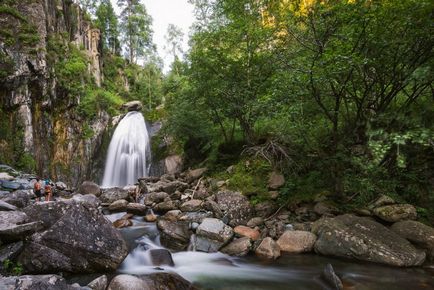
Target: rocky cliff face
39 123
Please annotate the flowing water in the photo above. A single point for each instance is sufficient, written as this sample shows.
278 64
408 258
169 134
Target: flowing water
221 272
129 152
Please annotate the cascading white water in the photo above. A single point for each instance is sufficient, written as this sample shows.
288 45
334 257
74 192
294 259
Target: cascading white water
129 152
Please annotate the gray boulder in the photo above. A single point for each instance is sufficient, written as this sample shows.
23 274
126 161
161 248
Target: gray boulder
364 239
174 234
161 257
37 282
77 239
239 247
268 248
166 206
99 283
18 198
418 233
89 199
191 205
118 206
89 187
235 206
111 195
7 206
10 252
128 282
167 281
155 197
137 208
212 235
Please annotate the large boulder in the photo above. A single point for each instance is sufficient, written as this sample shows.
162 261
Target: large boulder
89 187
89 199
118 206
111 195
128 282
239 247
417 233
174 234
268 248
37 282
166 206
76 238
364 239
133 106
9 252
296 241
212 235
99 283
137 208
167 281
18 198
235 206
243 231
396 212
155 197
173 164
191 205
161 257
7 206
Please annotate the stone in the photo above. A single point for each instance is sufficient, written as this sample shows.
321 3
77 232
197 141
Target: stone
89 187
265 209
195 217
213 207
276 180
268 248
330 277
382 201
34 282
128 282
172 215
7 206
396 212
418 233
18 198
323 208
118 206
364 239
191 205
61 185
166 206
161 257
243 231
174 234
89 199
235 206
173 164
10 252
193 175
122 223
239 247
150 217
111 195
296 242
274 195
6 176
137 208
99 283
155 197
13 232
173 186
76 238
212 235
12 218
133 106
255 222
167 281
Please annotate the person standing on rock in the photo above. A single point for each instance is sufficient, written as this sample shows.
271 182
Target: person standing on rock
48 190
37 189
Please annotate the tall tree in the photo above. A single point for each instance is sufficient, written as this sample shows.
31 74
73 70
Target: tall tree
107 22
136 29
174 38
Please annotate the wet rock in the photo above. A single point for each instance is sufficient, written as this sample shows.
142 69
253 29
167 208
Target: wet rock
99 283
35 282
89 187
364 239
174 234
243 231
111 195
133 106
254 222
78 238
122 223
166 206
235 206
137 208
418 233
296 242
7 206
18 198
128 282
268 248
167 281
330 277
150 217
89 199
276 180
396 212
155 197
172 215
239 247
118 206
212 234
161 257
193 175
191 205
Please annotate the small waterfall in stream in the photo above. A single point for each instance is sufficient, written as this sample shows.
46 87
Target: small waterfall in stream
128 156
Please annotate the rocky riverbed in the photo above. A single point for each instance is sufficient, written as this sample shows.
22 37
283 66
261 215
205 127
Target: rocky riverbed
76 234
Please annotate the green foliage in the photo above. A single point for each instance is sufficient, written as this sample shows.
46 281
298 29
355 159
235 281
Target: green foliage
12 268
96 99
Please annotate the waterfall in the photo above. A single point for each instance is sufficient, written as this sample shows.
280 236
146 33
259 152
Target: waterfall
129 152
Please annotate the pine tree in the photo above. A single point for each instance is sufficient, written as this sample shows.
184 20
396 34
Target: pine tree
107 22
